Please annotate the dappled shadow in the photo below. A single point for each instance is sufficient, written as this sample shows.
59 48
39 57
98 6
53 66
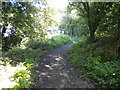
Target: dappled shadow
55 72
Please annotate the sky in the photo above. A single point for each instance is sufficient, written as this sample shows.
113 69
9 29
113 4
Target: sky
58 4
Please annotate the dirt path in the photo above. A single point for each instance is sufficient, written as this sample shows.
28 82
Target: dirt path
54 71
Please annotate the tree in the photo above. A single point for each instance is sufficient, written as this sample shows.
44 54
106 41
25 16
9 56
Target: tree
73 25
25 20
92 12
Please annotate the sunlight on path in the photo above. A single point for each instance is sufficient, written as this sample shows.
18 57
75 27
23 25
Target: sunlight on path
54 71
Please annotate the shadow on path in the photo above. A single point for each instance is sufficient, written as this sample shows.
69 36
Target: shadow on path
54 71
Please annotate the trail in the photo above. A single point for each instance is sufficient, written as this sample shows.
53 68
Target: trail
54 71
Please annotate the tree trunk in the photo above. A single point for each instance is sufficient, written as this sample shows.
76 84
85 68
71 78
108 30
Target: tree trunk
92 29
92 35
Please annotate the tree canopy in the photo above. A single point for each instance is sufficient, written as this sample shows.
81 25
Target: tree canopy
24 19
97 15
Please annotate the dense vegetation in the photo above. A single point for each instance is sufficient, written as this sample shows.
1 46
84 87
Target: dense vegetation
92 19
21 61
95 26
98 55
98 62
32 25
23 41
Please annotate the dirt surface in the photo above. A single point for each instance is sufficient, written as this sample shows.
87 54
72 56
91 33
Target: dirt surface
54 71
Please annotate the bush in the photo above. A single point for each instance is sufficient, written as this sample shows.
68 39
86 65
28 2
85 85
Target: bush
97 61
55 41
23 55
76 38
61 40
107 73
28 58
22 77
34 45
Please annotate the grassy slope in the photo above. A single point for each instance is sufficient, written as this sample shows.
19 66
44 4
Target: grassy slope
98 61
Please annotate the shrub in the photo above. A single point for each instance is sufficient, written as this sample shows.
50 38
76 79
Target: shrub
98 63
76 38
22 77
34 45
107 73
28 58
55 41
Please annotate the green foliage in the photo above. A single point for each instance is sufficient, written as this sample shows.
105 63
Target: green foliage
28 58
5 61
61 40
107 73
32 24
74 26
55 41
76 38
98 61
35 45
24 55
10 41
102 17
22 77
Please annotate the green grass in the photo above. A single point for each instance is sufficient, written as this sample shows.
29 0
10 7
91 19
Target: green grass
18 63
55 41
98 62
76 38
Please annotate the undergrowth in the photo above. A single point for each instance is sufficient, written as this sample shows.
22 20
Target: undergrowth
55 41
17 64
97 61
21 62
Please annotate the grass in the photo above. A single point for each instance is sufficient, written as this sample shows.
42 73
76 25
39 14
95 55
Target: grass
55 41
76 38
17 64
98 62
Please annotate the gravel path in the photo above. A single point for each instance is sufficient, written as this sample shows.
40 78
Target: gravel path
54 71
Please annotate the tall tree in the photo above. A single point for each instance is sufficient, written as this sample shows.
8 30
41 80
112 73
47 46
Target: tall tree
92 12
